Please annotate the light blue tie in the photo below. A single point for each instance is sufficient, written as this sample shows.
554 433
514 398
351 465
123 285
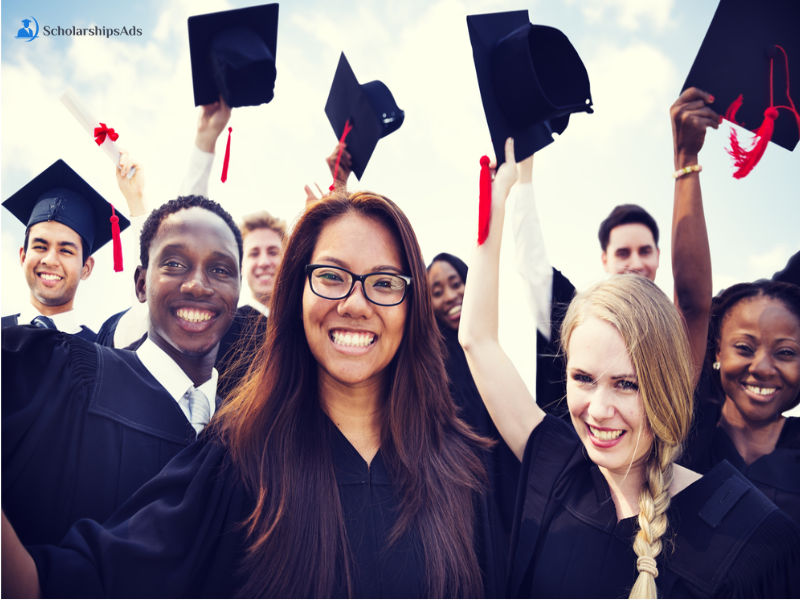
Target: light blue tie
199 410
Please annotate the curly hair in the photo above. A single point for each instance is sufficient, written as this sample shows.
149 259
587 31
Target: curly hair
154 220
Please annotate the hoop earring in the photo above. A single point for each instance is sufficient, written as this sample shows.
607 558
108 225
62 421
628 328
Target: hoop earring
715 365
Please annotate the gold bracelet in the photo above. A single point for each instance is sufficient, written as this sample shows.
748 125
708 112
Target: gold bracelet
686 170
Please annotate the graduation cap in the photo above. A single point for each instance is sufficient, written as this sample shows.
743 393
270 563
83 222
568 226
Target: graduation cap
59 194
748 59
367 110
233 55
531 79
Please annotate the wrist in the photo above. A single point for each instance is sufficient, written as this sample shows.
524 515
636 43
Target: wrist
205 143
685 160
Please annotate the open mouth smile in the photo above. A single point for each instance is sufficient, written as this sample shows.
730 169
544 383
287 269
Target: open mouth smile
352 339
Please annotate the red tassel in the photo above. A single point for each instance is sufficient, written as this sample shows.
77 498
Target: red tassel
730 114
744 159
227 158
116 242
484 200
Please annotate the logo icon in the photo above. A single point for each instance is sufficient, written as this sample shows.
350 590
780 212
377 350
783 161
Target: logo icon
25 32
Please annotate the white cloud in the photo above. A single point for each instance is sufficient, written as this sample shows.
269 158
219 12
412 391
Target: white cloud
630 15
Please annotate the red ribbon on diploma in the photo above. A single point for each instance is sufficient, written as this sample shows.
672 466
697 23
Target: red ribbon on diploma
101 132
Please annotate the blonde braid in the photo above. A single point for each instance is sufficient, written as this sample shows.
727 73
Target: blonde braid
653 504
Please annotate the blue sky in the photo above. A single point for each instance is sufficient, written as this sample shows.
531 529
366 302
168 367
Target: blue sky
637 55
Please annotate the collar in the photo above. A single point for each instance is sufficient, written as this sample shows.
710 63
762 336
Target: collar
66 321
171 377
247 299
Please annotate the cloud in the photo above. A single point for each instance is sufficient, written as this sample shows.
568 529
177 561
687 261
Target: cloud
630 15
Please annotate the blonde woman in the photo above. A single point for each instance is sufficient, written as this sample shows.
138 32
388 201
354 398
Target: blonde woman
604 510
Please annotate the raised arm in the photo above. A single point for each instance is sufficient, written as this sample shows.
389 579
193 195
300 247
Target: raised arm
211 122
504 393
529 249
691 258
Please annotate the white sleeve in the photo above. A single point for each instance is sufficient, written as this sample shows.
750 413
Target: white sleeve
531 255
195 183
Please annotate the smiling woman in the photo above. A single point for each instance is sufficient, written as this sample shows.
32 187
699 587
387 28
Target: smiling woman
340 455
753 377
586 491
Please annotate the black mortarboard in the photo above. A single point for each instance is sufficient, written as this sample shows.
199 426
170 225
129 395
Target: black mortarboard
233 55
369 108
530 77
734 60
59 194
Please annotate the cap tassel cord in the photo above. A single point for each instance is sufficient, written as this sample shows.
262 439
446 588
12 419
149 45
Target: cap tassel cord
347 129
744 159
484 200
227 158
116 241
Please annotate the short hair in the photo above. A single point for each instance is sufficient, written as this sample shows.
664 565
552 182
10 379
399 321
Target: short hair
84 246
625 214
263 220
154 220
655 338
786 293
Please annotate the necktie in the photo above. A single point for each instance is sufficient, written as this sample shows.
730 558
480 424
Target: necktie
44 322
199 410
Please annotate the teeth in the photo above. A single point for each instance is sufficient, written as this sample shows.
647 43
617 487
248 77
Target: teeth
761 391
456 310
357 340
49 277
605 435
193 315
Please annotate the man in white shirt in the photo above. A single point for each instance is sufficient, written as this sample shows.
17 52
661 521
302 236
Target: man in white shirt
85 425
66 222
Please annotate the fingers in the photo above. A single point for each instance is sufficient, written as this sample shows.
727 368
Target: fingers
510 151
693 93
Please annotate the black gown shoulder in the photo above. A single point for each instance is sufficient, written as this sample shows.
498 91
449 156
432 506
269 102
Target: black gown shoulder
83 426
722 540
776 474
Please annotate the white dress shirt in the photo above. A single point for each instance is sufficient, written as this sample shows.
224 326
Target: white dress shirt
66 321
172 378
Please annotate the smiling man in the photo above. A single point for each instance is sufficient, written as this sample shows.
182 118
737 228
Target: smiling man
66 222
84 425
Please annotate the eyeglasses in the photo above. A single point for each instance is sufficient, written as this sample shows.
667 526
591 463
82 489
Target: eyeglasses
335 283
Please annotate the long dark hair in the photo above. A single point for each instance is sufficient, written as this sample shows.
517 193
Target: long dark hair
276 430
786 293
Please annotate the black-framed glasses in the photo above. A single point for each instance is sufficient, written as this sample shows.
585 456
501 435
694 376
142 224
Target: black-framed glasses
336 283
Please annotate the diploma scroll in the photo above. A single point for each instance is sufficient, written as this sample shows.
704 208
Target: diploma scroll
89 123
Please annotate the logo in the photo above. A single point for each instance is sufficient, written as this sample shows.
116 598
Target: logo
25 32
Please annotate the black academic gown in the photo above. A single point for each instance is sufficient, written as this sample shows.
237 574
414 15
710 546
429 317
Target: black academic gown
551 379
180 535
13 321
725 538
776 474
83 426
502 465
238 347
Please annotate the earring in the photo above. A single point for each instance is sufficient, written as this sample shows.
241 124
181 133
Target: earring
715 366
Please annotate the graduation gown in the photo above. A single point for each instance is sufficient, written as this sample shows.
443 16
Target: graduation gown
725 538
551 379
83 426
501 464
238 347
180 535
776 474
13 321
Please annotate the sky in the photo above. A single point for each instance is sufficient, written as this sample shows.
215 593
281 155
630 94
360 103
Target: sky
637 54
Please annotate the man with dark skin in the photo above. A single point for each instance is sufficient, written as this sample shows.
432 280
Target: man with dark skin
85 425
